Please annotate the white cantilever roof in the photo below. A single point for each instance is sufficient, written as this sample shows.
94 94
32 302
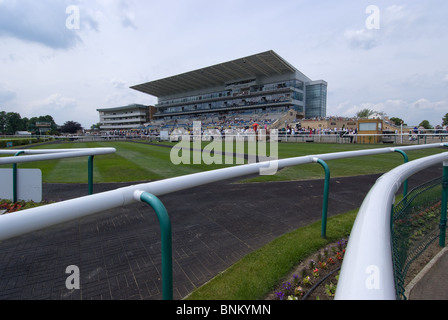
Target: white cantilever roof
266 64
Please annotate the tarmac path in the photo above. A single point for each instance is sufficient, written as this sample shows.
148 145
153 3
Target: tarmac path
213 226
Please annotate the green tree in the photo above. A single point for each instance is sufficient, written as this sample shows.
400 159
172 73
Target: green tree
445 120
397 121
95 126
33 128
71 127
2 122
364 113
14 123
425 124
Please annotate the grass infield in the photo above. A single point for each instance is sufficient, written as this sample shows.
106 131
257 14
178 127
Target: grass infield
149 162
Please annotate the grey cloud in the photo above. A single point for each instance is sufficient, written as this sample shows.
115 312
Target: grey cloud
118 84
6 95
362 39
127 22
55 102
42 22
127 16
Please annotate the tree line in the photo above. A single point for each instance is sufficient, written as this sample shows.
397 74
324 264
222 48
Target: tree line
364 113
12 122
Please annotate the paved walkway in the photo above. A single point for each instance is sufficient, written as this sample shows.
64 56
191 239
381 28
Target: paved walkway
118 252
432 282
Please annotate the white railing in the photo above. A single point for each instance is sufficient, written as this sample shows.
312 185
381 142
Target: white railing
41 217
31 155
50 154
367 269
19 223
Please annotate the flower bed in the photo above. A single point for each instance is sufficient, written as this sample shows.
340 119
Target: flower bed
414 231
7 206
414 226
317 279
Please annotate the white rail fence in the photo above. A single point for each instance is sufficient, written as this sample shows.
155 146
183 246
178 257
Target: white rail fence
368 229
367 269
32 155
40 217
50 154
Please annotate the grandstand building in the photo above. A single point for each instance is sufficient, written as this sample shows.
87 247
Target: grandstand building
261 83
128 117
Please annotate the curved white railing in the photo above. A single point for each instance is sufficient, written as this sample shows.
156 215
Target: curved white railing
41 217
15 224
367 269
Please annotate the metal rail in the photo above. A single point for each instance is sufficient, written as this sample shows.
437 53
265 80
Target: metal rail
367 269
50 154
37 218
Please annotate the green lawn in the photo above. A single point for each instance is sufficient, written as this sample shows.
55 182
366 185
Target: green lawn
342 167
144 162
131 162
256 275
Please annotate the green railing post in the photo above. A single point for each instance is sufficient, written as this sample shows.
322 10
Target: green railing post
90 172
165 229
14 178
325 202
444 205
405 183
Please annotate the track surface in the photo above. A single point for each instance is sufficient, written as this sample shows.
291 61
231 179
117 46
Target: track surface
213 226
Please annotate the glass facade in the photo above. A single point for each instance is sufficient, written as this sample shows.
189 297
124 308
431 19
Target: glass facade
238 96
316 100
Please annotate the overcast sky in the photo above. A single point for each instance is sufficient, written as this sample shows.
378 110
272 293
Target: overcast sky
390 57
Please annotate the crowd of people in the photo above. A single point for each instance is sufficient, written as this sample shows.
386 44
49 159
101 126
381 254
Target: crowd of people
313 131
240 122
